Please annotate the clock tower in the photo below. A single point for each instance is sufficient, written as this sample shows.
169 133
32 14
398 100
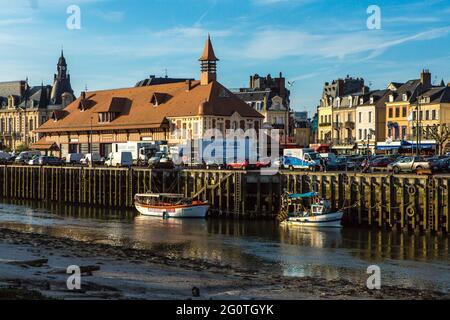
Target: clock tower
61 82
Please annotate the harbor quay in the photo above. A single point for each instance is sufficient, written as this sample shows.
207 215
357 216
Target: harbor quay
380 200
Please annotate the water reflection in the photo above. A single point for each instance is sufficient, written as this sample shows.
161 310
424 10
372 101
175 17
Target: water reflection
291 251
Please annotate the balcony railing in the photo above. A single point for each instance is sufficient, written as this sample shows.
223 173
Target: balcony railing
325 124
345 141
337 125
350 125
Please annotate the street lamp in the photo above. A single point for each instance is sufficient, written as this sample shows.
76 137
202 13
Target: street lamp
418 125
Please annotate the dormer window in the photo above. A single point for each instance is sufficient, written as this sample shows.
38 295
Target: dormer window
361 101
106 117
372 100
391 98
159 98
405 97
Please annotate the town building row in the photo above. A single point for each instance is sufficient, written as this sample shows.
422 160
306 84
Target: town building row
352 119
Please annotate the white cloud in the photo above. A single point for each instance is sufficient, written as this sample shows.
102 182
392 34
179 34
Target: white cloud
279 43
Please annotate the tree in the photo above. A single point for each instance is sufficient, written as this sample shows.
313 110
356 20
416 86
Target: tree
441 134
22 147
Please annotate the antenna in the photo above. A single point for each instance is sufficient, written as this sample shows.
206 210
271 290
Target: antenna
165 72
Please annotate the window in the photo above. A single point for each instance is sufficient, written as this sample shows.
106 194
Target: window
433 115
397 112
405 97
427 115
370 117
404 114
365 134
360 134
30 126
360 117
403 132
390 113
391 98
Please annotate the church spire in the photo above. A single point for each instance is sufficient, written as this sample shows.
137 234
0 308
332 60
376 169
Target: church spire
208 63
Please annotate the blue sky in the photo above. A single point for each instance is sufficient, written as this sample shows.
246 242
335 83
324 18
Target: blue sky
310 41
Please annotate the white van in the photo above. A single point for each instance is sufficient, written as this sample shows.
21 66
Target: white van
74 158
91 158
119 159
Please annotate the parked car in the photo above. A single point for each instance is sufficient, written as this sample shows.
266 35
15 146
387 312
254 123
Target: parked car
338 164
409 164
355 163
238 165
34 161
156 158
26 156
164 163
5 157
214 164
119 159
440 166
46 161
378 163
74 158
92 158
263 163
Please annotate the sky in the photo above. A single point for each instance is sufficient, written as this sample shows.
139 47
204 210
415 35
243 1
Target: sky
120 42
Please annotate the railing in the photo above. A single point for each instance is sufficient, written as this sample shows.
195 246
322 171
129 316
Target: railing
325 124
345 141
337 125
350 125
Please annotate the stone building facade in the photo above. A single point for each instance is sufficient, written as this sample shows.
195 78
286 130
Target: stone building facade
24 108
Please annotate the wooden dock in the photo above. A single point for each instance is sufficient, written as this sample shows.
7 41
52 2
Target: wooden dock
419 203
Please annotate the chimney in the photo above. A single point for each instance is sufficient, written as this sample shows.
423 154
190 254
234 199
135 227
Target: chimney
425 78
83 95
189 85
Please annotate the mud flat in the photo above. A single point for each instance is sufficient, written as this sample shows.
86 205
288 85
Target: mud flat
33 266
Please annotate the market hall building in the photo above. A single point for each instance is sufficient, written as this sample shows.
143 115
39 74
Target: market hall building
98 119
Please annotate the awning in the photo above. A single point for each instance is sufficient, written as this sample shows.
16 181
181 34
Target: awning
428 144
43 145
304 195
392 145
344 147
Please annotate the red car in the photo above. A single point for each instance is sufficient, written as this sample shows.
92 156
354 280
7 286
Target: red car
263 163
239 165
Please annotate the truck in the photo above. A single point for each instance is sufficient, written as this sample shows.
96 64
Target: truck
215 153
141 151
304 159
119 159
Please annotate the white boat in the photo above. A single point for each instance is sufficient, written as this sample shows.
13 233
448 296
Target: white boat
166 206
320 214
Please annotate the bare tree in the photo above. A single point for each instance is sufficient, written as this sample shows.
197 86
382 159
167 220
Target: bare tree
441 134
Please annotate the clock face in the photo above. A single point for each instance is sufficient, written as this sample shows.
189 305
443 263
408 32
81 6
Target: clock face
63 68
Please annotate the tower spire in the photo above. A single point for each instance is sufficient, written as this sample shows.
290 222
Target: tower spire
208 62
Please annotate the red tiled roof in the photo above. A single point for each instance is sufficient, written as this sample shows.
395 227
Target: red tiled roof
208 52
136 110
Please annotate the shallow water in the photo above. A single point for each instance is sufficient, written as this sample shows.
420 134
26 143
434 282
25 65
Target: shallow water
406 260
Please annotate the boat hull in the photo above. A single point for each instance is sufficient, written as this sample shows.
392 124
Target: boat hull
198 211
330 220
